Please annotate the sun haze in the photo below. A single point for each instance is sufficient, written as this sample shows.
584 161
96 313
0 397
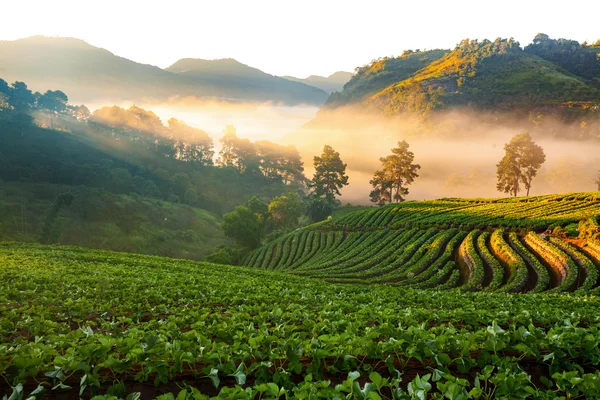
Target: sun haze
292 37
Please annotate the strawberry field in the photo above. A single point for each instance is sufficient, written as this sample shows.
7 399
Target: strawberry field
474 244
379 304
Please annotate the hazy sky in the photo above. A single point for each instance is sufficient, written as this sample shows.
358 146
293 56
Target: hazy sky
286 37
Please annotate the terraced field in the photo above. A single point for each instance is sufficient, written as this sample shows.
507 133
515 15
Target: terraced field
509 245
383 303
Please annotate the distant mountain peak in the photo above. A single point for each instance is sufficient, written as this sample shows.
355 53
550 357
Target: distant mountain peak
333 83
91 74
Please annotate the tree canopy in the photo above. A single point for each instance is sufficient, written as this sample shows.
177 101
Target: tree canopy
522 159
330 174
390 184
242 225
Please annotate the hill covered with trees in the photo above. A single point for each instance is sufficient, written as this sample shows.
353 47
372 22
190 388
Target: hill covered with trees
480 74
122 179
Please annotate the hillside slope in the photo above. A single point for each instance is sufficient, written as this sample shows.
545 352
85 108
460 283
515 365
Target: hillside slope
99 219
333 83
235 80
92 74
472 244
484 74
476 74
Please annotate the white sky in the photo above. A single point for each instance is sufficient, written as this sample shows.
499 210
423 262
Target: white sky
285 37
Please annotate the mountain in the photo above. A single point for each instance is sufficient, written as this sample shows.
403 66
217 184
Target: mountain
237 80
333 83
477 74
91 74
381 73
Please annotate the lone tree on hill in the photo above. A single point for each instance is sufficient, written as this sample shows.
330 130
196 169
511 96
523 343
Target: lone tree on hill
398 171
522 160
330 175
598 181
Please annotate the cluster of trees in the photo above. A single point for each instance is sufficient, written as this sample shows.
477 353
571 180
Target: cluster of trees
249 223
130 151
177 140
580 59
262 158
18 98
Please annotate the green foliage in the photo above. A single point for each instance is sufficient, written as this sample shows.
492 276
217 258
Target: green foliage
520 163
104 220
330 174
226 255
381 73
243 226
127 152
444 244
578 59
398 171
285 210
223 328
49 235
483 75
319 208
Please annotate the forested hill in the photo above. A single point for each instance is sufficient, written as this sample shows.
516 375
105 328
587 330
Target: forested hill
121 179
91 74
484 74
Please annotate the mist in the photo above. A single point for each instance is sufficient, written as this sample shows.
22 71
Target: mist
253 120
458 151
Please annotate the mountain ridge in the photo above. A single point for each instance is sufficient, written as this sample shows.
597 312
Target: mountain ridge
93 74
482 74
332 83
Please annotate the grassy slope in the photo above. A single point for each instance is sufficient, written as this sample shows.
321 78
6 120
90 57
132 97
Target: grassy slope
99 219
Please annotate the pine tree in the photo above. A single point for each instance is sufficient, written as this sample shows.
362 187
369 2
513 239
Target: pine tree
330 175
521 161
398 171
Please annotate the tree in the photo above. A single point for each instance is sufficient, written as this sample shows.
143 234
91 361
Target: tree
285 210
194 145
81 112
330 175
522 159
398 171
280 163
318 209
242 225
55 101
598 181
260 209
21 97
237 152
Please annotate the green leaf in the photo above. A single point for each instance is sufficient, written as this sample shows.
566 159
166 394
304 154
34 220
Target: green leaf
17 392
353 375
475 393
61 386
214 377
